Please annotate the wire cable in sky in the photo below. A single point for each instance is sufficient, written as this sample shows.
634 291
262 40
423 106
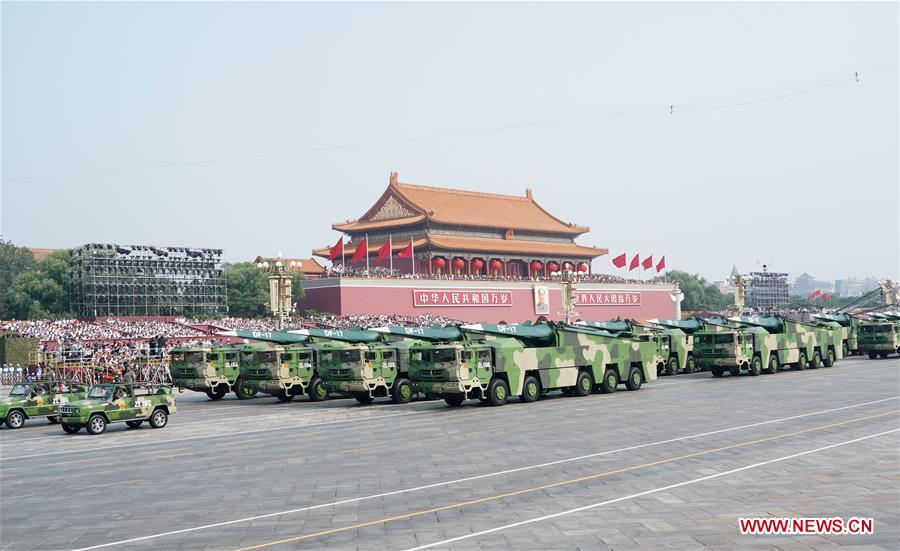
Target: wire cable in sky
669 109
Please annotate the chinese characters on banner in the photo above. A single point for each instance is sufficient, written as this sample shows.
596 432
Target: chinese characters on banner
461 297
607 298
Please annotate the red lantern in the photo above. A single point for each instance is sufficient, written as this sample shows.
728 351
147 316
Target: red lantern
439 262
477 264
496 265
582 267
535 266
459 263
553 266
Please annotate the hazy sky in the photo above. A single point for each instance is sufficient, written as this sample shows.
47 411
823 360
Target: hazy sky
253 127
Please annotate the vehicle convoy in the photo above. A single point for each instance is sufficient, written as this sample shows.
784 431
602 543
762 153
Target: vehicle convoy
214 370
755 344
284 372
28 400
673 345
880 336
131 403
492 362
850 330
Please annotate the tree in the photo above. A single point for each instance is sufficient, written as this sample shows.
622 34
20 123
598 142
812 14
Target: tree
14 261
34 295
699 294
248 290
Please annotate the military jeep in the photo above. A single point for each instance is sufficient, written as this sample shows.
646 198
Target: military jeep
131 403
28 400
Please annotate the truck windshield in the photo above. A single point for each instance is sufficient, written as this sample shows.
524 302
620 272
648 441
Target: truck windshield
265 358
20 390
718 338
349 356
187 357
102 392
443 355
875 329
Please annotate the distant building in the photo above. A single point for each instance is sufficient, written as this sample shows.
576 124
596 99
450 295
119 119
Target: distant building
40 254
767 290
852 287
805 284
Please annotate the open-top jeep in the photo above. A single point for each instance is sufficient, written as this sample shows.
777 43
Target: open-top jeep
107 403
27 400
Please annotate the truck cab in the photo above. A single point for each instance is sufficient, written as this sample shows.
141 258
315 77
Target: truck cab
879 338
282 371
213 370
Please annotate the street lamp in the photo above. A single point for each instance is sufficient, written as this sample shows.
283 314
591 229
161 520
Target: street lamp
279 287
568 278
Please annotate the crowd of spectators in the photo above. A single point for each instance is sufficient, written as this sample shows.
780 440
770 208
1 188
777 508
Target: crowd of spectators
377 272
74 330
344 322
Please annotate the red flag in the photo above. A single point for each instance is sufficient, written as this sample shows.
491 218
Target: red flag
661 264
384 251
825 296
337 250
634 263
647 263
406 251
619 261
817 293
362 250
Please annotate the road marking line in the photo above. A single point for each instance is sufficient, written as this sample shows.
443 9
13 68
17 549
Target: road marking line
460 505
218 435
653 491
481 476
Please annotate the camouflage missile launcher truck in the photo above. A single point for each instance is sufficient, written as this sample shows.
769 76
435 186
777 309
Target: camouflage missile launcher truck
28 400
850 330
284 372
496 361
213 370
880 336
760 344
131 403
674 346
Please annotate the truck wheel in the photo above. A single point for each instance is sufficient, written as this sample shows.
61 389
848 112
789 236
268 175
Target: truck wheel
671 366
71 429
755 367
716 371
317 390
829 358
213 395
610 382
402 391
241 392
455 400
134 424
690 366
364 398
635 379
773 365
845 350
53 420
584 384
816 360
873 355
735 371
159 418
283 396
660 369
498 392
96 424
801 365
15 419
530 390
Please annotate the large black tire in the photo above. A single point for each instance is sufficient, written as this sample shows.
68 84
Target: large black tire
816 360
584 383
159 418
317 390
755 367
364 399
54 420
498 392
804 361
882 355
773 365
873 355
71 429
96 424
671 366
15 419
610 381
241 392
134 424
531 389
829 358
690 366
635 379
455 400
283 396
735 371
716 371
845 349
402 391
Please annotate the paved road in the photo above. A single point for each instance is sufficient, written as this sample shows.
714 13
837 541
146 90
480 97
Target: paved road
673 465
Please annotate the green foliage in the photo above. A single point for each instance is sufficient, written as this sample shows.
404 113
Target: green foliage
248 290
699 294
14 261
32 290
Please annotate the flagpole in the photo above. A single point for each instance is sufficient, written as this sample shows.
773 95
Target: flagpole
412 257
368 274
343 257
391 252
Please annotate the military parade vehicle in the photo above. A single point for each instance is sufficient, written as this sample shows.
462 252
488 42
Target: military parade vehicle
496 361
282 371
214 370
673 347
880 336
131 403
850 330
28 400
757 344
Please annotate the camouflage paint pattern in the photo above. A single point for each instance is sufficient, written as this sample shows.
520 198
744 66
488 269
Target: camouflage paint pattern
118 402
207 369
40 398
365 370
879 338
280 371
